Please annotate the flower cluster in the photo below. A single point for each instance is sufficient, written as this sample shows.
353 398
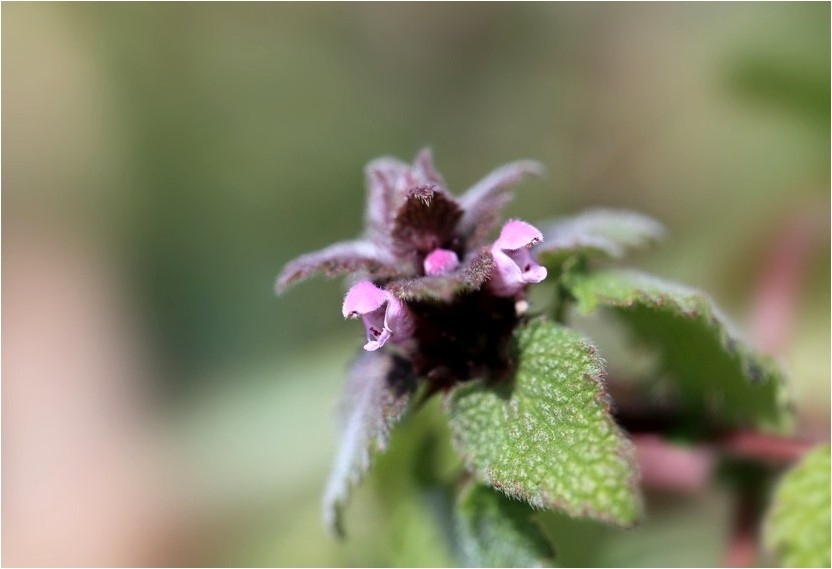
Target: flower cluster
428 280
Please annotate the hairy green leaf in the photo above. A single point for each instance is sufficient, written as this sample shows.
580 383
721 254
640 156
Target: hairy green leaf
716 369
547 437
599 232
495 531
797 525
377 394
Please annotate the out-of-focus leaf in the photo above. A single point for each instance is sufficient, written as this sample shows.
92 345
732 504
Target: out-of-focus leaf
495 531
414 483
797 525
599 232
377 394
714 366
547 436
800 89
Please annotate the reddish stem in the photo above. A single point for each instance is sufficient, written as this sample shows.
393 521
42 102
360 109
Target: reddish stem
742 545
764 447
773 313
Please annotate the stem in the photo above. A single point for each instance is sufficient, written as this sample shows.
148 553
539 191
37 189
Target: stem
666 466
742 545
764 447
560 304
773 313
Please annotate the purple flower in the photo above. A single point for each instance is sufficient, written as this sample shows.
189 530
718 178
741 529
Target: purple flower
385 318
409 214
513 262
426 270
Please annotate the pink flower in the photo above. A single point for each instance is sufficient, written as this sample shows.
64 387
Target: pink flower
514 266
385 318
441 262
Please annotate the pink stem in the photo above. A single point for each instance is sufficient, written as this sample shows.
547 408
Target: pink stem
764 447
773 312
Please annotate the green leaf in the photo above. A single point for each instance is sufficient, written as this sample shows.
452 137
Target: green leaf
377 395
797 526
547 437
600 232
715 368
495 531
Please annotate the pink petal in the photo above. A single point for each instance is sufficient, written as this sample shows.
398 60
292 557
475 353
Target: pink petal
535 274
507 279
517 234
441 262
375 342
397 319
514 265
362 298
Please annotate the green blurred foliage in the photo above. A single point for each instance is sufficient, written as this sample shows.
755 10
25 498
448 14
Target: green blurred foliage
207 144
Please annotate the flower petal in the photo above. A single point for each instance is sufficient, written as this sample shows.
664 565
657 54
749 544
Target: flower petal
517 234
536 274
514 265
363 298
376 327
397 319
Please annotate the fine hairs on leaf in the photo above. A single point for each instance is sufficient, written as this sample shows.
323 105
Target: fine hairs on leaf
496 531
797 526
700 351
598 232
377 394
547 437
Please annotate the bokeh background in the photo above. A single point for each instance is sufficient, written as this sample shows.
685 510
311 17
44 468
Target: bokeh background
161 162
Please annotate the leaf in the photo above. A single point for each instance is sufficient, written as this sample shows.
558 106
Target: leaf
337 259
495 531
377 395
424 169
548 437
470 276
484 200
599 232
384 180
717 370
797 526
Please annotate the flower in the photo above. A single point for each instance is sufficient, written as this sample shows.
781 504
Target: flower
428 279
513 262
410 214
385 318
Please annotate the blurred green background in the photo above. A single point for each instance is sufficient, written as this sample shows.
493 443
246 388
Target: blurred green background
161 162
